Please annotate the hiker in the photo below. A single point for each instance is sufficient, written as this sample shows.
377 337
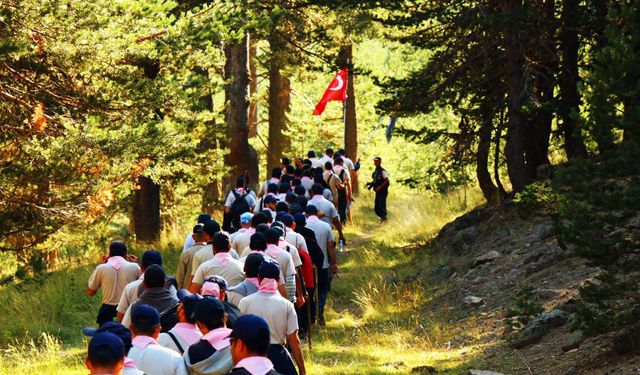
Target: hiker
184 333
241 241
206 252
312 258
212 354
240 200
380 186
112 276
269 208
146 353
332 181
307 179
189 241
285 262
315 162
216 287
329 211
105 354
132 291
281 317
272 190
276 173
185 263
250 341
259 246
348 163
327 157
221 264
326 242
245 225
123 334
250 284
344 193
291 236
155 294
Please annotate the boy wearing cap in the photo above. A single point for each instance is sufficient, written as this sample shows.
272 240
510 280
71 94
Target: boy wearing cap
184 333
212 354
216 287
185 263
250 340
222 264
189 241
281 317
133 290
112 277
148 355
241 241
245 225
125 335
250 284
105 354
285 261
154 293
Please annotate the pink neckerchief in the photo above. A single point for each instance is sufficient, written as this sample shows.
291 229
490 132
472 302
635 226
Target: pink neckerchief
129 363
116 262
282 197
240 190
256 365
222 258
254 281
218 338
273 251
210 289
305 179
338 168
318 198
189 332
269 286
141 278
143 341
312 219
250 231
243 230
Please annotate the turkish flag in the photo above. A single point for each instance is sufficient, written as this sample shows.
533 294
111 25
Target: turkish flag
337 90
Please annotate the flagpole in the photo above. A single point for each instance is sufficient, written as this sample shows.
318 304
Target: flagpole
344 105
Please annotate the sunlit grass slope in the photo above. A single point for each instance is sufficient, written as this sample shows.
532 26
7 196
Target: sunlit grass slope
375 326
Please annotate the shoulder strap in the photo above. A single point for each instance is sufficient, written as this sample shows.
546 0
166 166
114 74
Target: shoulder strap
235 194
175 341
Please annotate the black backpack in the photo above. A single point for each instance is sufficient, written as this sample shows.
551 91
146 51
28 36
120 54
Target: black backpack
238 207
169 318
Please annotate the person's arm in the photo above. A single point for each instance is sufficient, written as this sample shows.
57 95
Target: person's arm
338 225
331 251
195 288
296 350
181 270
94 283
282 288
91 292
197 281
384 183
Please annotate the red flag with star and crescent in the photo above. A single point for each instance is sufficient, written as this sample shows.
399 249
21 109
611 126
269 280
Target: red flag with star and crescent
337 91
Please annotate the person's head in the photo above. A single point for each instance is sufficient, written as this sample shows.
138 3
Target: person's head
290 169
273 236
306 166
317 189
285 179
272 188
112 327
250 337
298 172
117 249
105 354
198 233
284 188
328 166
299 190
215 286
300 220
210 314
154 277
284 162
270 202
338 160
276 172
258 242
150 257
187 307
268 210
311 154
377 161
317 176
203 218
269 269
211 227
245 219
221 243
252 264
311 210
295 183
291 198
282 207
288 220
145 321
329 151
242 181
258 219
342 152
262 228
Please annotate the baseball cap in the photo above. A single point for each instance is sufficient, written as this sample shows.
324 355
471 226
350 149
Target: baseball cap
246 217
287 220
269 269
251 328
112 327
377 158
258 241
203 218
145 317
211 227
189 302
270 199
221 281
105 347
209 308
154 276
151 257
210 289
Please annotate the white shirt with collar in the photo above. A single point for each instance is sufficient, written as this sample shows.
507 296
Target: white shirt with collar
156 359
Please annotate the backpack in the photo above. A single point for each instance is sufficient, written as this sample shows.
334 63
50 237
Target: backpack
238 207
169 318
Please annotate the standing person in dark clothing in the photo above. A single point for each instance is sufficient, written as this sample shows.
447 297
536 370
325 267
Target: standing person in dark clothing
380 185
155 294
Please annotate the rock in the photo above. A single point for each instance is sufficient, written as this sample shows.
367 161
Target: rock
573 341
484 372
424 370
486 258
453 276
628 341
537 328
571 371
473 301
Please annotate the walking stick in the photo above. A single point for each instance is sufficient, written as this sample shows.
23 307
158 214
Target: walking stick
309 334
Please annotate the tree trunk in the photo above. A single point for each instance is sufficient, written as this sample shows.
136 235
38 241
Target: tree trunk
279 102
569 95
345 58
489 190
146 210
253 89
211 194
241 155
516 132
496 155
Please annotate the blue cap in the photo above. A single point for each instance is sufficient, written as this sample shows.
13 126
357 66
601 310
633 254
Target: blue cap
251 328
287 219
189 302
269 269
151 257
270 199
300 219
246 217
105 347
209 308
112 327
203 218
145 317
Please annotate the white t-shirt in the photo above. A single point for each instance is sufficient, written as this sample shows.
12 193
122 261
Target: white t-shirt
112 281
129 296
158 360
276 310
232 271
348 164
316 163
324 234
165 340
250 198
326 207
325 158
296 240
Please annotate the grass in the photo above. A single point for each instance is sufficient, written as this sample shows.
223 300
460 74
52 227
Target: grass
377 322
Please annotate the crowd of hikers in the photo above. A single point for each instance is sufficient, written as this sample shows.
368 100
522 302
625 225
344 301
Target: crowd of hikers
245 293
